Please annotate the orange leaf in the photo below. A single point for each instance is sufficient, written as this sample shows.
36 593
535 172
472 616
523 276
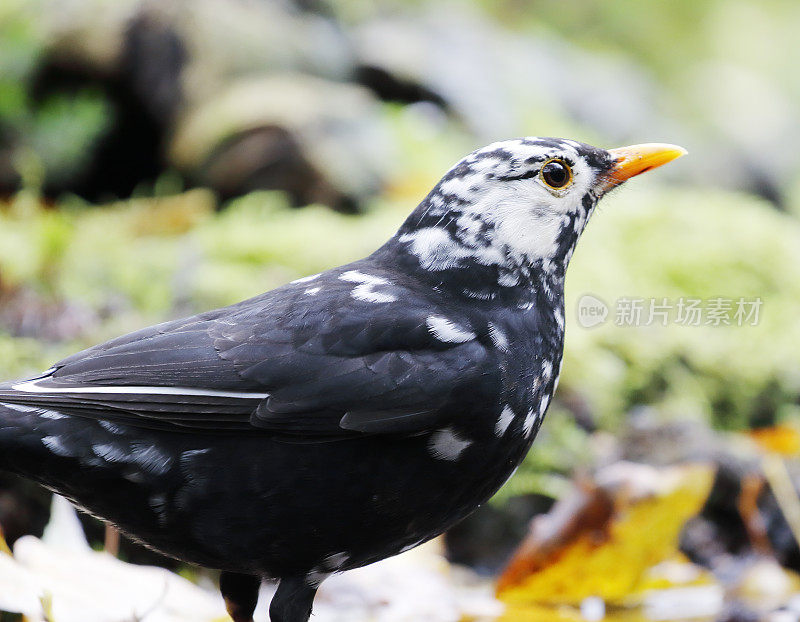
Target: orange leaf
781 439
610 562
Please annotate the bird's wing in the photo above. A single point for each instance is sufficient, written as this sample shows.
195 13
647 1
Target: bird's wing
322 364
398 391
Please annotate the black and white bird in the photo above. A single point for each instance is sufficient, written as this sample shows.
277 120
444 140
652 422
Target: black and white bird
346 416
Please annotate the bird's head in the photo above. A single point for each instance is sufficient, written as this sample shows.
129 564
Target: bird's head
518 206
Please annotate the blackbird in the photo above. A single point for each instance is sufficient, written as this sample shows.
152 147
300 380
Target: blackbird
344 417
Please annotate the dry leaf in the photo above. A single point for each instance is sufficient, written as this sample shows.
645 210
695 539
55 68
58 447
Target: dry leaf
609 560
781 439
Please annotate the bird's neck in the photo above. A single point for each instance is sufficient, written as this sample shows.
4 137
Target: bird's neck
453 247
457 273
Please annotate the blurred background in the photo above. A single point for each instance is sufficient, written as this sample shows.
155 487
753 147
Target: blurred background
158 159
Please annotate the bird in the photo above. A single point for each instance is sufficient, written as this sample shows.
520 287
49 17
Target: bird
347 416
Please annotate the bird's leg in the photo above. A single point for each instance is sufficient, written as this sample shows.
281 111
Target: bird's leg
240 592
293 600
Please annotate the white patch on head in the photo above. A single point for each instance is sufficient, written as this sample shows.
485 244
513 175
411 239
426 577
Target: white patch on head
446 444
56 445
525 229
505 216
365 290
527 216
306 279
470 229
498 337
530 420
311 291
504 420
448 331
459 186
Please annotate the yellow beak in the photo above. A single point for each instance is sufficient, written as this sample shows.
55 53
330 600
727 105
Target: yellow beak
640 158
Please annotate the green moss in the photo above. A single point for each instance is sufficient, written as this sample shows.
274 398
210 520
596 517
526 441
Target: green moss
258 243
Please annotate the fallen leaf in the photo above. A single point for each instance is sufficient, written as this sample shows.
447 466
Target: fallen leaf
780 439
610 560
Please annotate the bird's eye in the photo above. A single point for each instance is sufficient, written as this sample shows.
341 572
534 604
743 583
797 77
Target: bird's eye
556 174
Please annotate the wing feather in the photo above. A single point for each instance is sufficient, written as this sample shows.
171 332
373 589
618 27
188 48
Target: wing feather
317 367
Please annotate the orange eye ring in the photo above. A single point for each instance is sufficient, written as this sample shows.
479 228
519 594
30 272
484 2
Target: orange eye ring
556 174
